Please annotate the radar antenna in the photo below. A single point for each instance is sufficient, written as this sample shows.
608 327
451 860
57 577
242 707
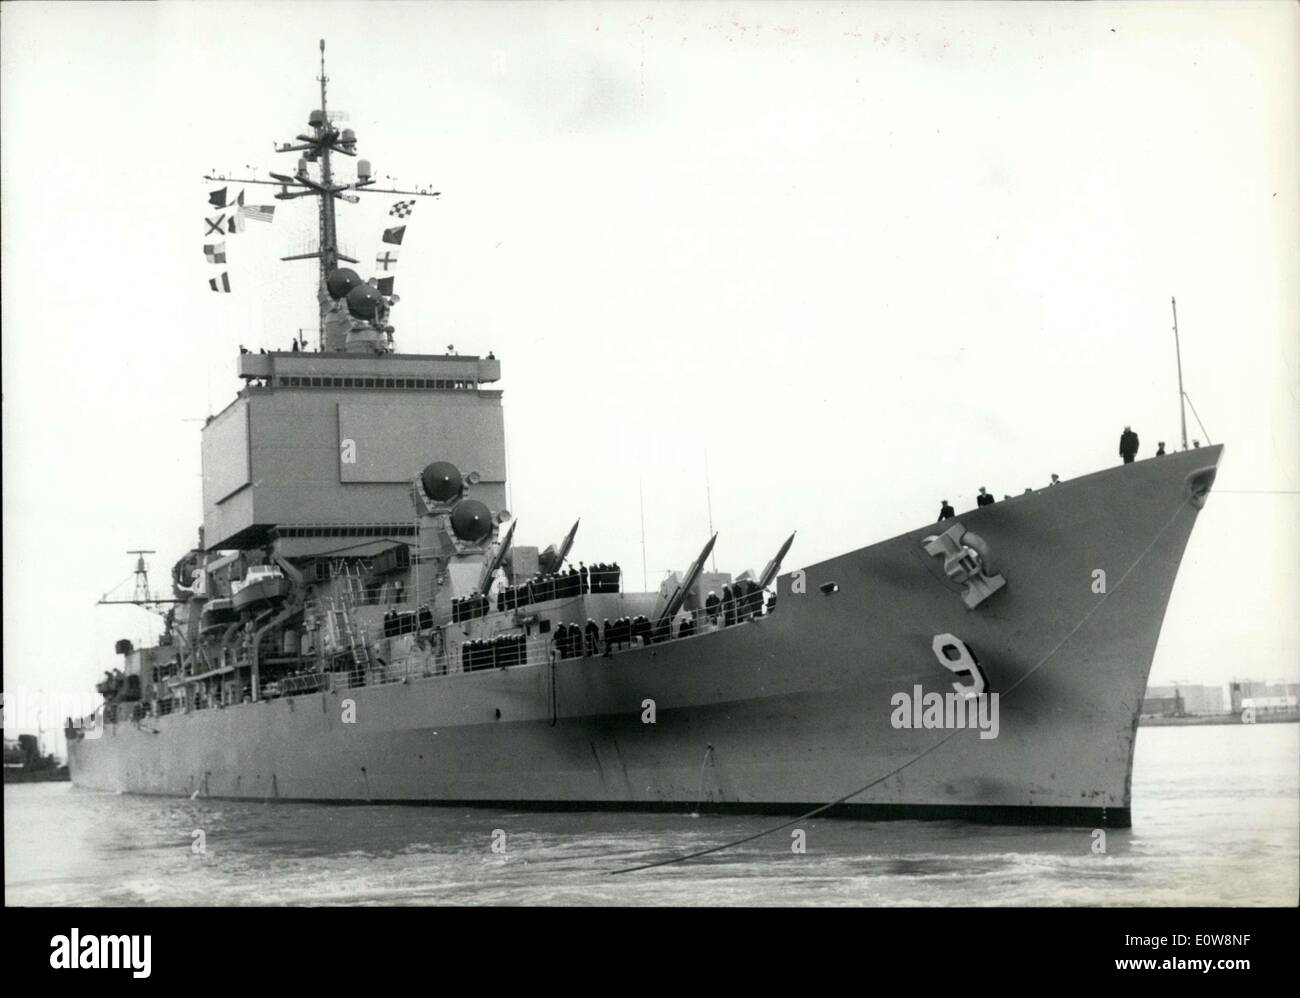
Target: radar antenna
143 595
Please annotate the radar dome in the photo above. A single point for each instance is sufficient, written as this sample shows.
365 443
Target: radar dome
364 302
441 481
471 520
341 281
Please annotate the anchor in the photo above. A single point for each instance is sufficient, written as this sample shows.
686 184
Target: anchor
967 562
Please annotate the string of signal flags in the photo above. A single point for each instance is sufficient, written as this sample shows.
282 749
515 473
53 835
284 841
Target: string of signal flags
230 215
389 242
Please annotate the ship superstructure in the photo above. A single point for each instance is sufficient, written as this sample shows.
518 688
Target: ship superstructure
358 621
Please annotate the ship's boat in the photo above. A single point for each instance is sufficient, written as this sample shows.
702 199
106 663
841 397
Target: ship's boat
262 587
218 612
990 666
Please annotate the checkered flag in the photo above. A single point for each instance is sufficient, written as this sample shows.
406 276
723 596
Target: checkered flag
402 209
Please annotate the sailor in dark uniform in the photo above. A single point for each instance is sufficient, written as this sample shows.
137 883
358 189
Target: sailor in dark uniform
741 595
585 576
712 605
1160 449
728 606
641 629
1128 445
983 499
593 637
946 512
609 638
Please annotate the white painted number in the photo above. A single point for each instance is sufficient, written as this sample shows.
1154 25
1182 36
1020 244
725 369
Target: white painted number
954 656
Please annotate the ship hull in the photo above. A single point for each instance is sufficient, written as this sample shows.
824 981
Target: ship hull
782 714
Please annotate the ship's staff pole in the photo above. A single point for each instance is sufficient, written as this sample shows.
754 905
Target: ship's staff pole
1178 352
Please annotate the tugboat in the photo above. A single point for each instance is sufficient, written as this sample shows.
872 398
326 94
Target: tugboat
25 763
359 623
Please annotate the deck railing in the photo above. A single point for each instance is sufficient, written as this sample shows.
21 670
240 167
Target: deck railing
422 664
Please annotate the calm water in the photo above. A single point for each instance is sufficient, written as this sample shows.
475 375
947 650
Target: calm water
1216 822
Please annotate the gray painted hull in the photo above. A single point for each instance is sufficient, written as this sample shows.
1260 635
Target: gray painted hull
780 714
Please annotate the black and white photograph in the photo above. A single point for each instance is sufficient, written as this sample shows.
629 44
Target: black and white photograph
651 455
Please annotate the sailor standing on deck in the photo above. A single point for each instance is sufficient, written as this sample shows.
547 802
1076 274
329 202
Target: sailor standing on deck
1128 445
984 498
946 512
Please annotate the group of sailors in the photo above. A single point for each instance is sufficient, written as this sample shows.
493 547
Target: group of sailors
740 601
577 641
500 652
396 624
574 641
469 607
578 581
600 578
1128 449
985 498
629 631
1129 443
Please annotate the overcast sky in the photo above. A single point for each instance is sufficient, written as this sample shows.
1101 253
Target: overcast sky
865 256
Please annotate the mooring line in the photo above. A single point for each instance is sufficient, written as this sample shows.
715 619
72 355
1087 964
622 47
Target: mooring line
921 755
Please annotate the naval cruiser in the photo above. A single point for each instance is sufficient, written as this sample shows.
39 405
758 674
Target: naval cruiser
357 621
